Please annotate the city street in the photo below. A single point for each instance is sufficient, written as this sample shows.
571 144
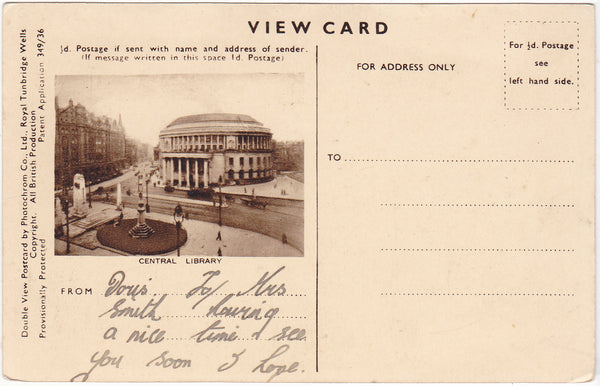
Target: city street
278 221
202 239
274 220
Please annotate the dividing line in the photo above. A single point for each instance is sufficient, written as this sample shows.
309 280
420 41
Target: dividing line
317 202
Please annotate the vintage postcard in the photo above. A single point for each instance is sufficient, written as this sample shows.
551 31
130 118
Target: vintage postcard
298 192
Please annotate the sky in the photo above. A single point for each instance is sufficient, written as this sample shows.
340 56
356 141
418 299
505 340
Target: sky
148 103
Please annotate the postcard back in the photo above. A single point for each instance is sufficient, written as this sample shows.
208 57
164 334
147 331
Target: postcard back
298 193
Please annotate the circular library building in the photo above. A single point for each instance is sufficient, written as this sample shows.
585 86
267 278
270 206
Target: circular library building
210 149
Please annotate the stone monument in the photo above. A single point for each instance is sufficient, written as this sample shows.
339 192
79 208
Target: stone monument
79 205
141 230
119 197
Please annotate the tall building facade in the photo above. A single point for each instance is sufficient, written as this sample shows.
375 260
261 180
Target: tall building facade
88 144
209 149
95 146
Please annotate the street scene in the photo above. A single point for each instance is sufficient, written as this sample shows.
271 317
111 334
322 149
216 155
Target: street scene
213 184
249 231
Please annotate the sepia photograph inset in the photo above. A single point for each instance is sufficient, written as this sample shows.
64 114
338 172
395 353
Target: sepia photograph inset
180 165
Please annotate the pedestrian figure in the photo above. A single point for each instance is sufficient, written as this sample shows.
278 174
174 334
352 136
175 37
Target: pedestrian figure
284 239
219 236
219 253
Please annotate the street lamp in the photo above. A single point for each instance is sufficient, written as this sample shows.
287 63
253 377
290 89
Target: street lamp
147 203
220 204
140 186
178 217
89 189
64 200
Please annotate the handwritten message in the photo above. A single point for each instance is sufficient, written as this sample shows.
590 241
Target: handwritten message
228 313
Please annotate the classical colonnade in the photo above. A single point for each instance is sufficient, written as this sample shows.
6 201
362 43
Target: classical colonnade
172 173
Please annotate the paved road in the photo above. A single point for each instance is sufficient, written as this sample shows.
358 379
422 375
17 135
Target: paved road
273 221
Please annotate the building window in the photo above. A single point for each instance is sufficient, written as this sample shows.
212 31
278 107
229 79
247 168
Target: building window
250 172
241 162
251 161
258 161
231 174
241 174
230 161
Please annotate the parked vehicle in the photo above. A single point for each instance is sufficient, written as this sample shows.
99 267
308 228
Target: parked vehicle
169 188
255 202
202 193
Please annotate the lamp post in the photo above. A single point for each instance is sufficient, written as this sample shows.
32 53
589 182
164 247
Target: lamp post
178 217
89 189
64 200
147 203
220 204
140 183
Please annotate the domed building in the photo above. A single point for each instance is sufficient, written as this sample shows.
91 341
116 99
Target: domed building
209 149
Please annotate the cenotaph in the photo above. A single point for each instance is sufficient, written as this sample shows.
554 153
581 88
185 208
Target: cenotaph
80 208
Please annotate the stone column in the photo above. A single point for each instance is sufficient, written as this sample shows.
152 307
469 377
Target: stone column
171 170
205 175
119 197
181 173
197 178
179 170
187 173
163 172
